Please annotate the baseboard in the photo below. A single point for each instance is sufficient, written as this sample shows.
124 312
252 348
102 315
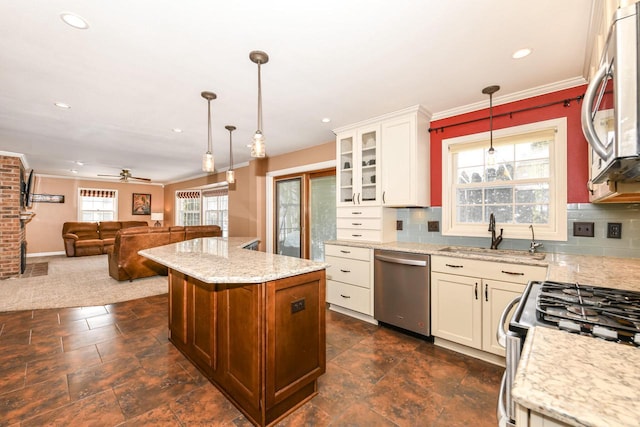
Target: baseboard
478 354
352 313
45 254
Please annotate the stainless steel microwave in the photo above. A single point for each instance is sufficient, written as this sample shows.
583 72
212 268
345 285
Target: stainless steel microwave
616 158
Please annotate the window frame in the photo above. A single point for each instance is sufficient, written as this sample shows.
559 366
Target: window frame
106 190
178 211
202 211
556 230
224 226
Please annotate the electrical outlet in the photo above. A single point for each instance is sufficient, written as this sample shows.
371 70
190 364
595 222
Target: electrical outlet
433 225
399 225
583 229
297 306
614 230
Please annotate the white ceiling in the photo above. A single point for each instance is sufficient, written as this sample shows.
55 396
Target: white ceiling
138 71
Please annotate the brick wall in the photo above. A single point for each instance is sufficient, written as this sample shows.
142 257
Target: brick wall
11 230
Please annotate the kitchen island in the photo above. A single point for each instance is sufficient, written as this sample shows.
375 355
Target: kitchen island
252 322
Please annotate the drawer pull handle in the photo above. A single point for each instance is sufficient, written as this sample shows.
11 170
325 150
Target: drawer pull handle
356 213
486 292
476 290
356 223
356 235
345 271
513 273
454 266
345 252
345 296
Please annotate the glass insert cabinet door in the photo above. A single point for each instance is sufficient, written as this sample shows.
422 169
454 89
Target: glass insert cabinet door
358 165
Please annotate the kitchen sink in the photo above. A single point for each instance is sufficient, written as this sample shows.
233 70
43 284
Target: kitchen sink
500 253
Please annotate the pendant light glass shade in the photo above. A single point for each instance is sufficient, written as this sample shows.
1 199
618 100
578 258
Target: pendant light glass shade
490 90
208 164
258 143
231 174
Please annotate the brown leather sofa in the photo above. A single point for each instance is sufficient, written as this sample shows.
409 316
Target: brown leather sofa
126 264
92 238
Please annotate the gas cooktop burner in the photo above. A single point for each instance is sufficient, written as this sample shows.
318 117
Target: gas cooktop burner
603 312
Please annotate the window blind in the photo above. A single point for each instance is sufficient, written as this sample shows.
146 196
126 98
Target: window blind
89 192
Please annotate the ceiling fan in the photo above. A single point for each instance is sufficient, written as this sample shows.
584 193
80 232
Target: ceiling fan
125 176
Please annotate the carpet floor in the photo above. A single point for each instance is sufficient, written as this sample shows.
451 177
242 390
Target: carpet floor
74 282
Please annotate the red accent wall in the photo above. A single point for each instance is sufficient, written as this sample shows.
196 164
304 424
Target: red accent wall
577 153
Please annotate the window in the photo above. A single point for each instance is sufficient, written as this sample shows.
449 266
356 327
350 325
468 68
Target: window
96 205
215 208
188 207
523 183
207 206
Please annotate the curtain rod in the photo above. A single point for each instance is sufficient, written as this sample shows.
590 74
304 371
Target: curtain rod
565 102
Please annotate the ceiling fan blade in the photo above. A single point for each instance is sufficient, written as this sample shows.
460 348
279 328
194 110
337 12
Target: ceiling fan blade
140 179
114 176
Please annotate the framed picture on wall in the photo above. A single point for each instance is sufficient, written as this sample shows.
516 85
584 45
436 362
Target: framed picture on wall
141 204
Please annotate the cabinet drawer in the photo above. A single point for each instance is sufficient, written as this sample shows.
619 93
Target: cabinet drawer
359 212
516 273
351 252
349 296
353 272
359 235
360 223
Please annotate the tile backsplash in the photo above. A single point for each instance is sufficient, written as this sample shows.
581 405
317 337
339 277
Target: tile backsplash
415 230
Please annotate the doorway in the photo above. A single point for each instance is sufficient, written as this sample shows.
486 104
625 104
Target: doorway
305 213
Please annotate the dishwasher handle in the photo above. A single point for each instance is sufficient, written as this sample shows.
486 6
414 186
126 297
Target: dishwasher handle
404 261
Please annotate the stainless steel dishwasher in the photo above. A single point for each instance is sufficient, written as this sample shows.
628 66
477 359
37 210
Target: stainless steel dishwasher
401 295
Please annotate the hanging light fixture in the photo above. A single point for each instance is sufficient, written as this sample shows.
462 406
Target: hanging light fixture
257 146
207 158
490 90
231 174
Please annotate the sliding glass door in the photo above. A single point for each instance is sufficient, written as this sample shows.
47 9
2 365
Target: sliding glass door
305 214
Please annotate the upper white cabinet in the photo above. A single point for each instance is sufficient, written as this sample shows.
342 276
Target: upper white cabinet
405 160
384 161
358 151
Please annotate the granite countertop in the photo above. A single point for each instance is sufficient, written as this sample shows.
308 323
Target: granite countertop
224 260
621 273
580 380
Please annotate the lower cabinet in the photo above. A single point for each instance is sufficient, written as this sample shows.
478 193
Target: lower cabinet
466 306
350 278
262 344
529 418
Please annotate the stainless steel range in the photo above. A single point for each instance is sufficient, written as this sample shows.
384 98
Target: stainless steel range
606 313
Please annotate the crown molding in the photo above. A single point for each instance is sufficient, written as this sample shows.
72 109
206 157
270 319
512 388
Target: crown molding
516 96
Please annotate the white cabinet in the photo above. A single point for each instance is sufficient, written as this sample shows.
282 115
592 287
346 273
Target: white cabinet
528 418
366 223
384 161
405 174
350 278
357 178
468 297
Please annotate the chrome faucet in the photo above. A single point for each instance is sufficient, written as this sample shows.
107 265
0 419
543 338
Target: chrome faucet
495 241
534 245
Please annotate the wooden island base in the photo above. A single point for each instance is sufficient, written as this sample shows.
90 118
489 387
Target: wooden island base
261 344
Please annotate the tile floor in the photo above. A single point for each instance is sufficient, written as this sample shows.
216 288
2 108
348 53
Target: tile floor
112 365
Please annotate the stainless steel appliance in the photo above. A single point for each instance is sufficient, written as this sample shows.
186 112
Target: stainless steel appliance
402 290
610 314
616 158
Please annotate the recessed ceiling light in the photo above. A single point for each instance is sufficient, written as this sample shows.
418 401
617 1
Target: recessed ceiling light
62 105
521 53
326 120
74 171
177 130
74 20
79 163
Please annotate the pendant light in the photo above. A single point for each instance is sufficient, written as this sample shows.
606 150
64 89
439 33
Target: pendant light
231 174
490 90
257 145
207 158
